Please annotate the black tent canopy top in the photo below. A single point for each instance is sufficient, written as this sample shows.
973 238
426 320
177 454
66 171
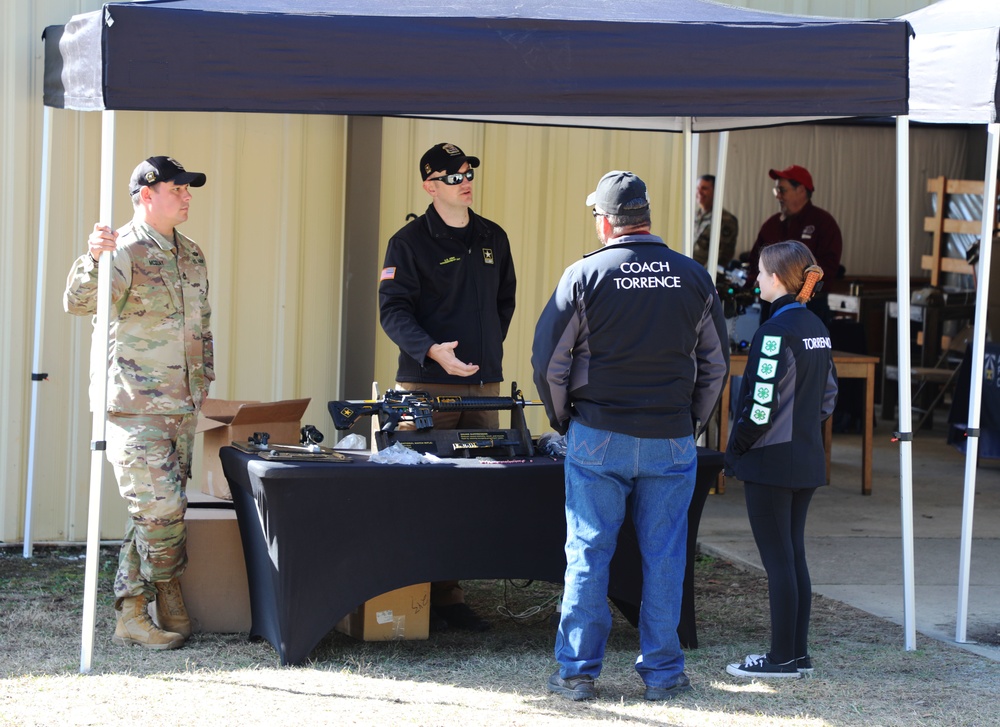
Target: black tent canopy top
516 58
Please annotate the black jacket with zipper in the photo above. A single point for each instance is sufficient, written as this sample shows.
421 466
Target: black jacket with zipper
633 340
435 287
789 388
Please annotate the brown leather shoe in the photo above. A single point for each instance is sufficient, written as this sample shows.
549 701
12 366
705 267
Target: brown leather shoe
171 613
136 627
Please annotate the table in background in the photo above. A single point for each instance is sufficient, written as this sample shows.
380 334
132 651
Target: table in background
321 538
849 366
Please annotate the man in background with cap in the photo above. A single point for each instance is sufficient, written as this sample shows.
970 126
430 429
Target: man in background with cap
799 219
630 356
159 367
446 298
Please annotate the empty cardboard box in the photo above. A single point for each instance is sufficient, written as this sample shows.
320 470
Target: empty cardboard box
215 582
400 615
224 422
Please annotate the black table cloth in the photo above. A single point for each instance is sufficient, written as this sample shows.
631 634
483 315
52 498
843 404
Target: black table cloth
319 539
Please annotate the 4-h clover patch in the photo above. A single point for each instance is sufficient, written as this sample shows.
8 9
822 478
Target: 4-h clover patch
760 415
767 368
770 345
763 393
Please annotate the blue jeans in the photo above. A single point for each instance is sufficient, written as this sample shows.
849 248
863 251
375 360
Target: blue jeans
605 472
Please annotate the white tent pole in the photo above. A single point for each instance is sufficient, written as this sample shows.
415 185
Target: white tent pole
905 433
99 402
976 388
688 206
37 377
714 236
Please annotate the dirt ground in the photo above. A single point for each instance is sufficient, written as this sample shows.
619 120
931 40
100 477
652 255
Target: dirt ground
862 676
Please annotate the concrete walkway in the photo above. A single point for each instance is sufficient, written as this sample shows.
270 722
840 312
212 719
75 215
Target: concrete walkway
854 542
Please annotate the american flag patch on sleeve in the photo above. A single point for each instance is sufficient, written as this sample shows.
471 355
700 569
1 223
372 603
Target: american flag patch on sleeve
388 274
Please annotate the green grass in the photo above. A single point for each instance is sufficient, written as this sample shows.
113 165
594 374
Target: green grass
456 678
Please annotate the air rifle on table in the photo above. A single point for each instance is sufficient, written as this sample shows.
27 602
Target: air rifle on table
418 407
398 406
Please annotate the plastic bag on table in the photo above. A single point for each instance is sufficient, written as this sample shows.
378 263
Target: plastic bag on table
352 441
398 454
553 443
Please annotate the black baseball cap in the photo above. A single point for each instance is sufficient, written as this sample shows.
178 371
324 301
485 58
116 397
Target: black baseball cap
444 156
619 193
163 169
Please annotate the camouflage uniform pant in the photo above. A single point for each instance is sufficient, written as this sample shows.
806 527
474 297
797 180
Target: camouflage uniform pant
151 456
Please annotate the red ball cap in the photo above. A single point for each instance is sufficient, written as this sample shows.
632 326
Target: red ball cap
794 173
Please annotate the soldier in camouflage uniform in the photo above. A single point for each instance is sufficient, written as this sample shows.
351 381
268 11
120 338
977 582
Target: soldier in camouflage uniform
160 365
705 194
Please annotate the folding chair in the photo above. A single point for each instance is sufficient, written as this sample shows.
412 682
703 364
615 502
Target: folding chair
943 374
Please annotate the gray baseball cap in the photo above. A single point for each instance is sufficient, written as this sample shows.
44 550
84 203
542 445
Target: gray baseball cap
619 193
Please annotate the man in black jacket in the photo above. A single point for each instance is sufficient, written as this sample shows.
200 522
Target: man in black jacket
446 298
629 353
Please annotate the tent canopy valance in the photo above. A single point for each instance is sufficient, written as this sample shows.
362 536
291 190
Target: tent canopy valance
649 62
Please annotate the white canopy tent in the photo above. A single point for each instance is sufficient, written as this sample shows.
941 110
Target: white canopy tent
954 62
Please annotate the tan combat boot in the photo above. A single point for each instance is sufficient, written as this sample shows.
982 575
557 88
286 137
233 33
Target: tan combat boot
171 614
136 627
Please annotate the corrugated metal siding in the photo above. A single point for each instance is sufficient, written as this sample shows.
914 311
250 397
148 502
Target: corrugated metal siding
836 8
854 170
270 221
533 182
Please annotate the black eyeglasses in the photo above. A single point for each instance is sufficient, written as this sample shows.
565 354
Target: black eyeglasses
595 213
452 179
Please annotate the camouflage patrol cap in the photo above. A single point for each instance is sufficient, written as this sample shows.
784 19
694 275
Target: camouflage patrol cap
163 169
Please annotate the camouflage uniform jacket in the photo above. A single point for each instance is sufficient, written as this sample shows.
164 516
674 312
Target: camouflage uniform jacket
727 237
160 356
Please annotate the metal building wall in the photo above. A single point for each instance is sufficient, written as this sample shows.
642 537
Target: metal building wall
271 223
533 182
836 8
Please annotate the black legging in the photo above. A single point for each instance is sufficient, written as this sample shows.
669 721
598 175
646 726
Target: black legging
778 521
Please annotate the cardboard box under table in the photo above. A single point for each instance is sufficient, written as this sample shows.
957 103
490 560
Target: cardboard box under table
223 422
215 581
402 614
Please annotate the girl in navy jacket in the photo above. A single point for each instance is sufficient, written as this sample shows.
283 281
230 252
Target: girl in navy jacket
776 447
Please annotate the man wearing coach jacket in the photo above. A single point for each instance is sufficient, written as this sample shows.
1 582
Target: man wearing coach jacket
629 353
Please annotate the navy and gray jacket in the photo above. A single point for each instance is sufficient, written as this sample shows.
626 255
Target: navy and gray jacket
788 390
633 340
436 287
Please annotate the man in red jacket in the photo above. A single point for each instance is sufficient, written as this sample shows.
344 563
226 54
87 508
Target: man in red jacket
799 219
